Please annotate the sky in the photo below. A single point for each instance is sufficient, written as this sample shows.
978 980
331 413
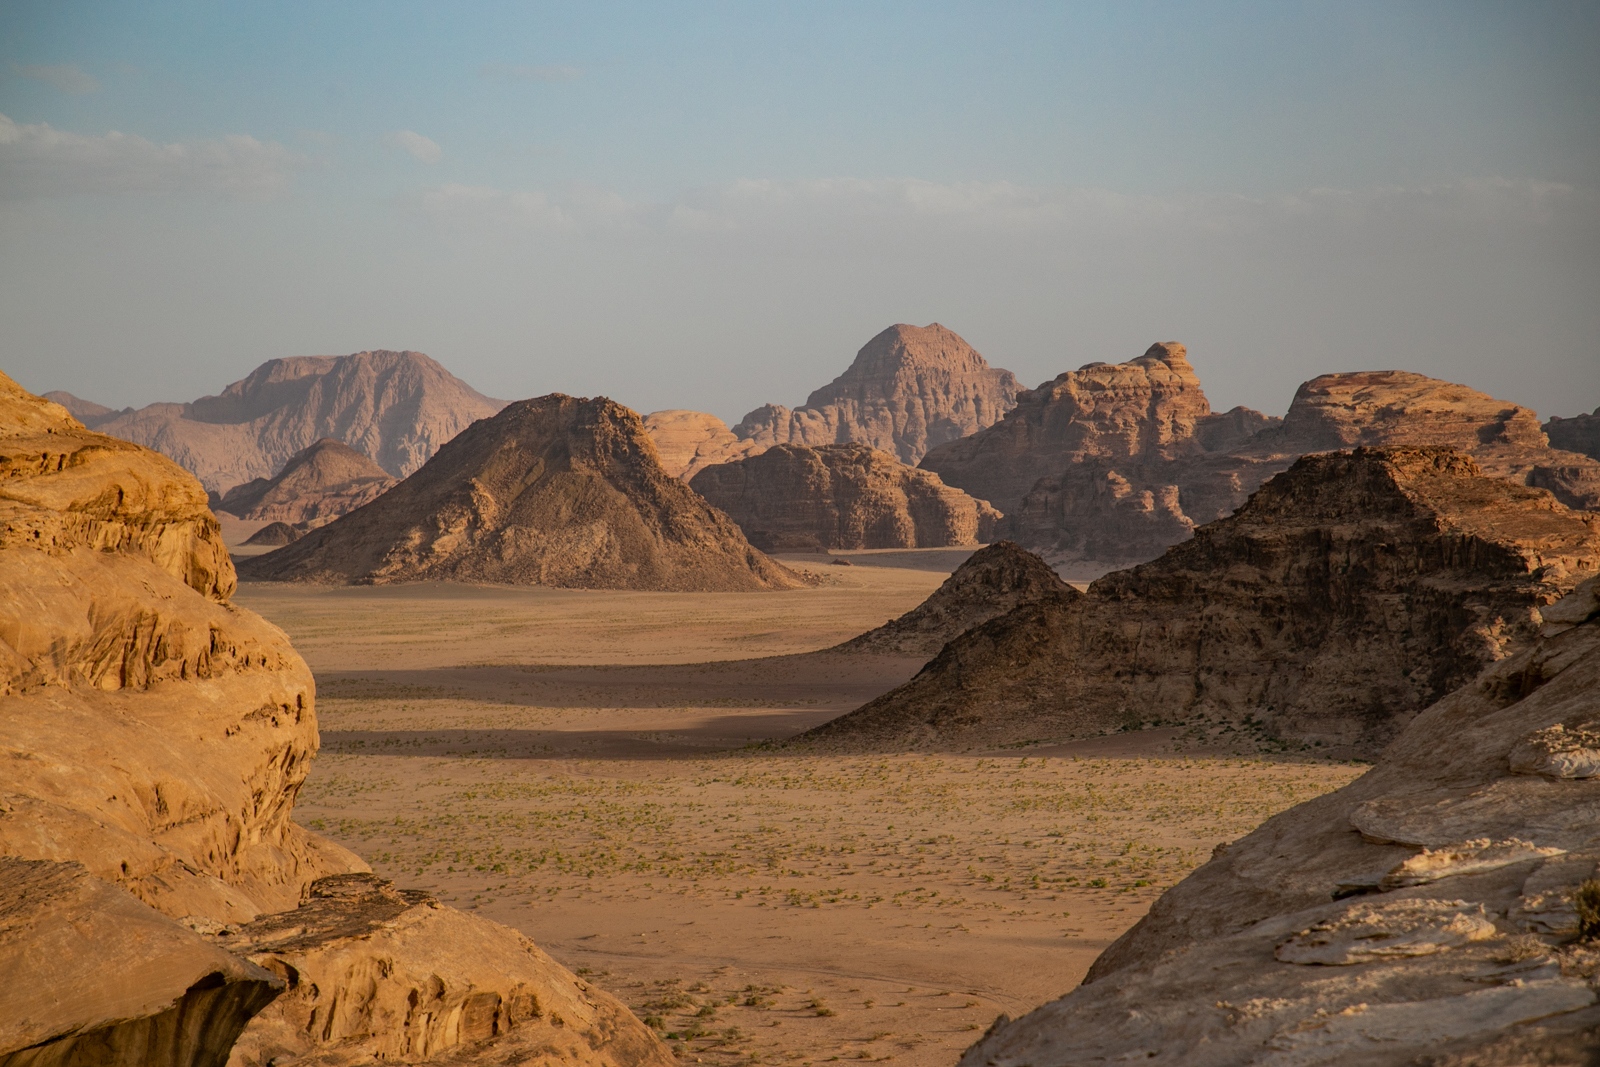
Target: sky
713 206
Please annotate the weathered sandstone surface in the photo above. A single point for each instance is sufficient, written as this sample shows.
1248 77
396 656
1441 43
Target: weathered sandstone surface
1580 434
397 407
794 498
690 441
993 580
1430 912
154 738
910 389
554 491
1349 593
317 485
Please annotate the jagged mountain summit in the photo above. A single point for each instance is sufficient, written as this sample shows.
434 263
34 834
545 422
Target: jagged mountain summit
557 491
396 407
317 485
990 582
911 388
797 499
690 441
1437 910
1350 592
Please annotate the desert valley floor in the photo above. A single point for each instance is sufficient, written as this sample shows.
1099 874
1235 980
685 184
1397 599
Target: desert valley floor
588 767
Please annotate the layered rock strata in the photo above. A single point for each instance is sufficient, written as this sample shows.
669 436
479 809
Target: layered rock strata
1440 909
557 491
911 388
690 441
396 407
792 498
1350 592
992 581
317 485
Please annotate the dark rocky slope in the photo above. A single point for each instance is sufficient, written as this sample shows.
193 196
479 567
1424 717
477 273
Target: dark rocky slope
1350 592
318 484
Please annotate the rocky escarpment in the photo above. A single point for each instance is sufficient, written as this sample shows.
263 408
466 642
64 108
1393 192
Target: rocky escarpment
1580 434
396 407
793 498
1442 909
317 485
690 441
155 737
554 491
992 581
909 389
1350 592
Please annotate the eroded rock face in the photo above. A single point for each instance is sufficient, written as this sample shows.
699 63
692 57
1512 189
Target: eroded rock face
1246 960
793 498
557 491
1348 594
276 535
1580 434
910 389
993 580
316 486
690 441
396 407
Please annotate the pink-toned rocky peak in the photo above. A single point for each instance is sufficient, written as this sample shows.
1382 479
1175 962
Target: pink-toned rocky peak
317 485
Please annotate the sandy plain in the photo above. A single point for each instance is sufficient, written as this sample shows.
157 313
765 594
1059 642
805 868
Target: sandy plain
588 767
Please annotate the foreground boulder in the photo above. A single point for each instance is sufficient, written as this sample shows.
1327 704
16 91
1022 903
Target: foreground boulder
687 442
797 499
1442 909
1349 593
992 581
317 485
911 388
557 491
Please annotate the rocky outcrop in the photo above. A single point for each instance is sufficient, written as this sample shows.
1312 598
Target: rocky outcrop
1440 909
797 499
910 389
992 581
317 485
554 491
1349 593
690 441
95 977
157 735
1580 434
276 535
396 407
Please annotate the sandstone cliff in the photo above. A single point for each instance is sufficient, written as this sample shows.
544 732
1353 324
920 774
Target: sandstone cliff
317 485
796 499
1580 434
1350 592
993 580
1442 909
690 441
553 491
397 407
910 389
155 737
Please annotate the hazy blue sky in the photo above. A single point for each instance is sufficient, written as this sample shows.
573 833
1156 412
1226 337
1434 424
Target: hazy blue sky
715 205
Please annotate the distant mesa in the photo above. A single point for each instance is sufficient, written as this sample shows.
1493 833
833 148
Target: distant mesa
992 581
1351 591
791 498
559 491
911 388
396 407
1580 434
85 411
690 441
276 535
316 486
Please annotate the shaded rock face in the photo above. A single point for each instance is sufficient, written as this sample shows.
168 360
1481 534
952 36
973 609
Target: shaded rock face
276 534
396 407
554 491
1350 592
1580 434
687 442
798 499
317 485
910 389
93 976
993 580
1424 913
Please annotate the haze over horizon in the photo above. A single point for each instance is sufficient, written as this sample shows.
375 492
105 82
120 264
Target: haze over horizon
716 208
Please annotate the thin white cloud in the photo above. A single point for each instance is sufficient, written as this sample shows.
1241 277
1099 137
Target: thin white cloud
38 160
524 73
67 77
418 147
